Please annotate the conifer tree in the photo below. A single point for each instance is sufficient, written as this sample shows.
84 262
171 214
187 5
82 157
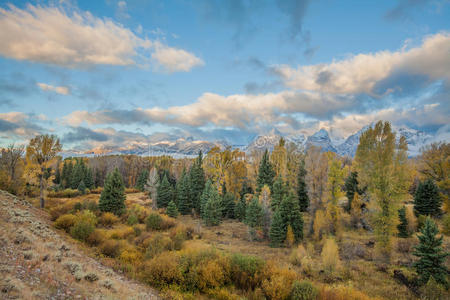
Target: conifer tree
89 180
277 232
351 187
197 182
82 187
254 214
266 173
279 192
427 200
183 198
212 214
431 255
112 198
240 208
66 175
77 174
291 215
205 195
402 227
302 191
142 179
57 179
228 205
165 193
172 210
98 178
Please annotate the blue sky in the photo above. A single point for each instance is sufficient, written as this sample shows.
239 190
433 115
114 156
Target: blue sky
106 73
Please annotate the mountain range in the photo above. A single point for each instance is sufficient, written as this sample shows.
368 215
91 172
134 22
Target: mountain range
189 147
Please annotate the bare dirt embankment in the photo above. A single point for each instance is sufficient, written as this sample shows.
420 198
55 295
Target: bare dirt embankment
37 262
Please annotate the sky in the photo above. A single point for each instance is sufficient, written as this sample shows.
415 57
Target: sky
109 73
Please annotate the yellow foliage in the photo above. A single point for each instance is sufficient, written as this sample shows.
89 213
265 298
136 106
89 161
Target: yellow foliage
341 293
411 218
297 255
108 219
163 270
319 224
130 256
111 248
65 222
96 237
278 282
290 238
121 232
330 255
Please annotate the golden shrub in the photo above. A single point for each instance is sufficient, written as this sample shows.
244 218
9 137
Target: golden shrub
163 270
140 212
330 255
341 293
108 219
167 222
121 232
59 210
111 248
297 254
130 256
65 222
96 237
278 282
290 239
319 224
158 244
411 218
211 275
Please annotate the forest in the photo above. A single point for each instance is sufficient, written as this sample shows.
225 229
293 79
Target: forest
290 223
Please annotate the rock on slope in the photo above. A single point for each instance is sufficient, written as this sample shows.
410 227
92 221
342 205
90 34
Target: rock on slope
36 262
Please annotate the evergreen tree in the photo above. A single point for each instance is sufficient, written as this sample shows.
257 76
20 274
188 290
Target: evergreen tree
66 175
427 200
82 187
277 232
89 180
205 195
302 191
402 227
228 205
112 198
77 174
291 215
197 182
351 187
98 178
142 179
57 179
240 208
278 193
431 255
212 214
183 198
254 214
266 173
165 193
172 210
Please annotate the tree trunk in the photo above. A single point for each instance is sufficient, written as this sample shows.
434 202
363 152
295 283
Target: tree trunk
41 188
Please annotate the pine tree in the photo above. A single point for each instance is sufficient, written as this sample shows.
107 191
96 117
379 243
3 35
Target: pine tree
228 205
98 178
431 255
205 195
266 173
112 198
254 214
427 200
197 182
89 180
351 187
240 208
302 192
142 179
277 232
82 187
172 210
66 175
165 193
57 179
291 215
77 174
212 213
279 191
183 198
402 227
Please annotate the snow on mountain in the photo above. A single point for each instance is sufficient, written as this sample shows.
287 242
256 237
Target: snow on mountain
348 147
262 142
320 139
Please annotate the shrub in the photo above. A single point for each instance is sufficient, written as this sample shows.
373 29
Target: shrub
65 222
130 256
132 220
432 290
84 225
67 193
297 255
303 290
167 222
96 237
278 283
154 221
330 255
157 245
59 210
111 248
178 235
163 270
341 292
108 219
245 270
121 232
446 224
140 212
404 245
211 274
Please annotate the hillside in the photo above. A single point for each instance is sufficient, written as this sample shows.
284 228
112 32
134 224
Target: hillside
37 262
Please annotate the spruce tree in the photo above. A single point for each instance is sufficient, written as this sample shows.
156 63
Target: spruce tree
98 178
57 179
277 232
197 182
212 213
205 195
431 255
77 174
254 214
302 191
291 215
351 187
172 210
142 179
165 193
89 179
66 175
183 198
266 173
278 193
402 226
112 198
82 187
228 205
240 208
427 200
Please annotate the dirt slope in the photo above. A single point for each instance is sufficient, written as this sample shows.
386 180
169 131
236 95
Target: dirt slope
36 262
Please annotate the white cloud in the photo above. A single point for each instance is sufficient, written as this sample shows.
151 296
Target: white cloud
361 73
175 60
63 90
53 35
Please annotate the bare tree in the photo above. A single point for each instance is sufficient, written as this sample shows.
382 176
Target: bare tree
152 186
11 156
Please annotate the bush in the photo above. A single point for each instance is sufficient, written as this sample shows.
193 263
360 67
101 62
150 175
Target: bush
65 222
97 190
446 224
432 290
121 232
67 193
108 219
84 225
278 283
96 237
154 221
297 255
178 235
341 292
303 290
130 256
139 211
246 270
132 220
163 270
111 248
157 245
59 210
330 255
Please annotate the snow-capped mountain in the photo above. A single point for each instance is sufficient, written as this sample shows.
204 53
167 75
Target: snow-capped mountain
320 139
262 142
348 147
